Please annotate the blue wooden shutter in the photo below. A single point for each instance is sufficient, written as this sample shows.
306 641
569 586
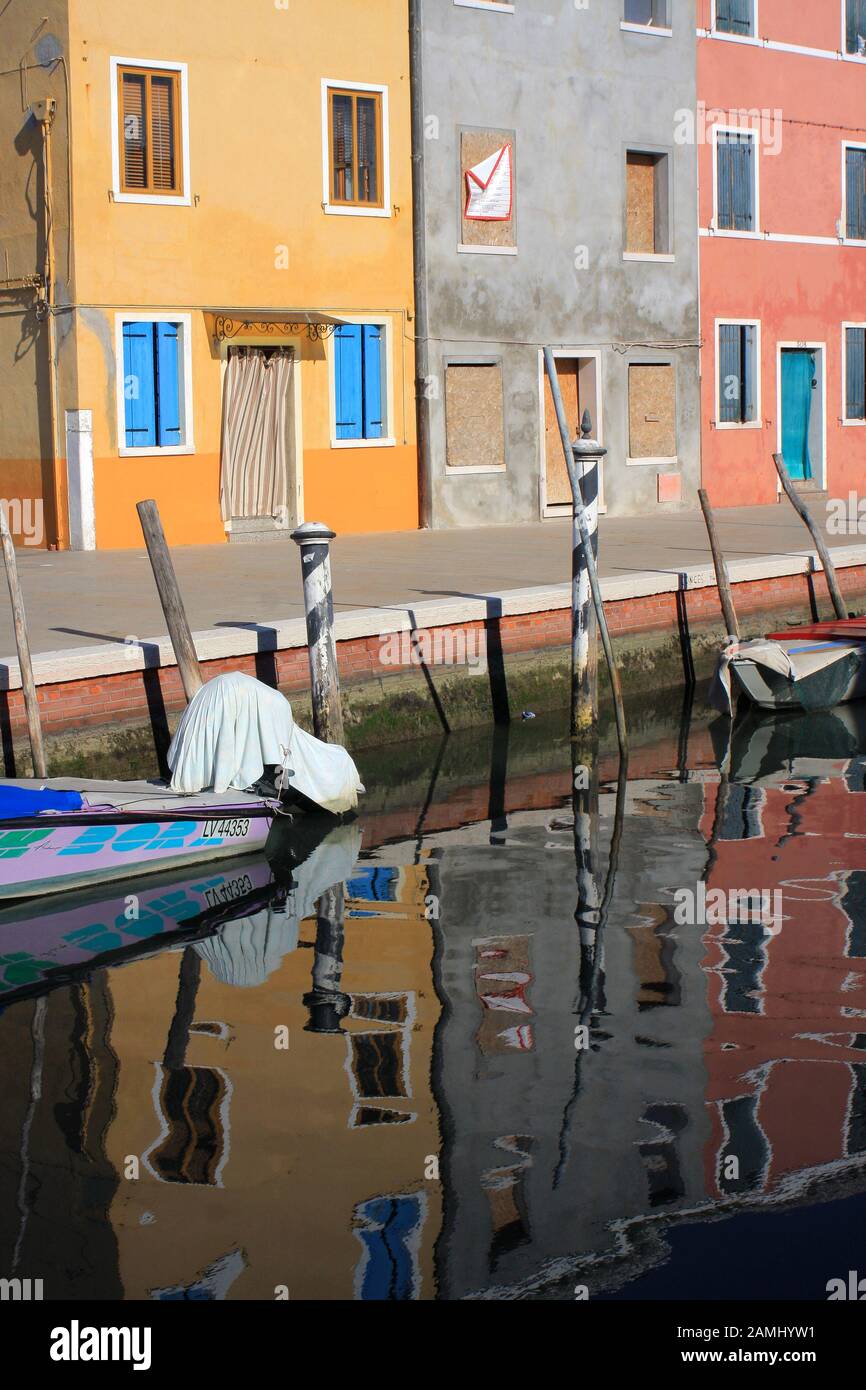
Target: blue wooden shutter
742 156
750 368
855 392
348 381
168 383
734 16
373 410
725 183
855 25
139 385
730 373
855 194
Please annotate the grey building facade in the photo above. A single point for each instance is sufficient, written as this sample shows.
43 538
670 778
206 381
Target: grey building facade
592 250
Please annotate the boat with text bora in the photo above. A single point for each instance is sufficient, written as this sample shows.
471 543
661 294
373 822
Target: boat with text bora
812 667
238 761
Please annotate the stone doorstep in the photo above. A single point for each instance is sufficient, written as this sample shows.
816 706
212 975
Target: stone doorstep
250 530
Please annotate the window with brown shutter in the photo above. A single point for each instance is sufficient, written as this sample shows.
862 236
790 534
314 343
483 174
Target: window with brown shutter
150 131
355 143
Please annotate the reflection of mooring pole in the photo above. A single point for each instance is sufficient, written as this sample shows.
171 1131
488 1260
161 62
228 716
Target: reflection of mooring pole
184 1010
585 804
326 1002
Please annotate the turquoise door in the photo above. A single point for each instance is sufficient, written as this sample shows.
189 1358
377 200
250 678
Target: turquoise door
798 373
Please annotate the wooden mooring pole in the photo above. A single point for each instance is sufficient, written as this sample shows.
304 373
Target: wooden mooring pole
723 581
314 540
805 515
169 597
22 642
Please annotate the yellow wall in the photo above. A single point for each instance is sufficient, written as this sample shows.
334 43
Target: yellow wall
255 134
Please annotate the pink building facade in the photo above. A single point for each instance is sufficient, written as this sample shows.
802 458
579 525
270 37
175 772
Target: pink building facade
781 135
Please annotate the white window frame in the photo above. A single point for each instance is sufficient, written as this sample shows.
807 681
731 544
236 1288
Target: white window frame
389 441
488 5
331 84
661 462
715 132
738 38
151 450
155 199
847 422
846 146
758 422
807 347
660 31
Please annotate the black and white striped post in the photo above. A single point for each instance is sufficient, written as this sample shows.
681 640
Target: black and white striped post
587 453
314 540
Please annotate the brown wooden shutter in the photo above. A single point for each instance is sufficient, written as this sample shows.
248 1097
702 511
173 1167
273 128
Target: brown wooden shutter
162 127
134 131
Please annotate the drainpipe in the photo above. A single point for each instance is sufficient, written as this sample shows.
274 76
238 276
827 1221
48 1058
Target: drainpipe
43 112
419 249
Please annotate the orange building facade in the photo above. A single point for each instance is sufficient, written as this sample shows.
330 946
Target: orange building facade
214 298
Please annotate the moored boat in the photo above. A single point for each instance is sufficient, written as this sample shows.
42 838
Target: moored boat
812 667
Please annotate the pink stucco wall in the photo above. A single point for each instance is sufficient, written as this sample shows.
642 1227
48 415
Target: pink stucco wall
802 293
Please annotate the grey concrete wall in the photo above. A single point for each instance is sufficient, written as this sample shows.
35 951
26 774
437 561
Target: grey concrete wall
578 91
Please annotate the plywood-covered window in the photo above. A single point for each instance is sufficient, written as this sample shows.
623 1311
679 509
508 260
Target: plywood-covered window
355 137
474 416
652 424
647 223
150 135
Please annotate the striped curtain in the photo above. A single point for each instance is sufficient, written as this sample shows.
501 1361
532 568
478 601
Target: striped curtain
254 471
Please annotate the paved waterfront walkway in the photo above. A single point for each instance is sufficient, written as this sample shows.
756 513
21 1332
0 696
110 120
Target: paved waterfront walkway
77 599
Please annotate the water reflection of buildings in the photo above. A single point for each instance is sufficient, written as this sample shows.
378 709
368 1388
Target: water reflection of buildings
545 1146
430 1014
786 1057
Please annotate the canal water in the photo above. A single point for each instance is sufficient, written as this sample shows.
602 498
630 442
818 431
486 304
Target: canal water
387 1063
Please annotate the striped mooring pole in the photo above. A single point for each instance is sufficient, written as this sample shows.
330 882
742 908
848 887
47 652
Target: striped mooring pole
314 540
587 453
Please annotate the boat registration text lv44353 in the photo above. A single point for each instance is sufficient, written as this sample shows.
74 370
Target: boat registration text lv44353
225 829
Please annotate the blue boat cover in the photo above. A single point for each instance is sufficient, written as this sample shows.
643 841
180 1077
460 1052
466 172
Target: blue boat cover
21 801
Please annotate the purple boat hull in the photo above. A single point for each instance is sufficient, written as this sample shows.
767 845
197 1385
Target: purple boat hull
50 854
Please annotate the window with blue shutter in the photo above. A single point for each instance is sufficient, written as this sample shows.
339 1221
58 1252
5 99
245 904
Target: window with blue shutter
735 181
738 373
855 194
152 385
359 380
855 374
735 16
855 27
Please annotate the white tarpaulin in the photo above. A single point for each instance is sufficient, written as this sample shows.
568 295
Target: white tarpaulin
234 726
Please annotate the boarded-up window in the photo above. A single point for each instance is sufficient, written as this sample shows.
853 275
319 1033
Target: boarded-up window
150 131
474 420
646 222
652 428
487 188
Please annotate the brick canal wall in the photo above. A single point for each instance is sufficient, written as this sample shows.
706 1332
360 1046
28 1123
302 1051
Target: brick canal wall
516 643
